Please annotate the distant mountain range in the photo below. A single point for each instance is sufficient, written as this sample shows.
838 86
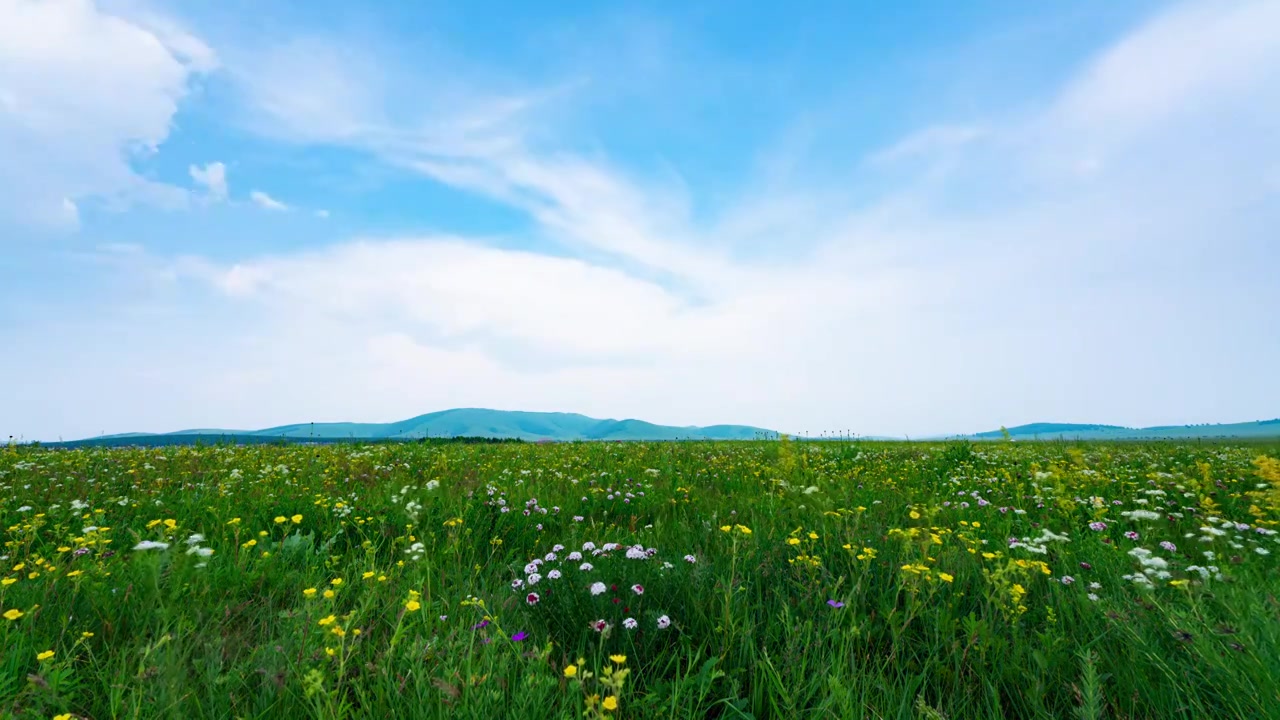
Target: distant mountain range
462 422
535 426
1071 431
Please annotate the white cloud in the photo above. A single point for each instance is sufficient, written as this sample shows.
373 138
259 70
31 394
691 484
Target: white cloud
1061 268
322 214
875 318
83 92
213 178
310 89
929 141
266 202
1189 59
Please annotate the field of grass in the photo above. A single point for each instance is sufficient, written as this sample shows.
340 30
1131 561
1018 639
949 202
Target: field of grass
674 580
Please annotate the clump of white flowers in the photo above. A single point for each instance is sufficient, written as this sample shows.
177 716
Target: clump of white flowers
416 551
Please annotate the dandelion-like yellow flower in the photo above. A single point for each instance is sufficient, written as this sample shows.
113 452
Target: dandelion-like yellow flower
793 541
86 635
336 581
12 614
329 594
328 620
618 659
946 577
63 716
44 655
366 576
813 535
8 581
413 606
171 523
726 528
281 519
610 703
296 519
571 671
309 592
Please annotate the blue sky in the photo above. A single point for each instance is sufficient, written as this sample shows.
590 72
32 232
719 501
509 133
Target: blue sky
902 218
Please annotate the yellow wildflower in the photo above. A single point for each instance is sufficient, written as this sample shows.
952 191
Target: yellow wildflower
412 606
44 655
618 659
610 703
309 592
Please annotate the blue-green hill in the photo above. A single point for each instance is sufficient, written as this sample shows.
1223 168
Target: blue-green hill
462 422
1075 431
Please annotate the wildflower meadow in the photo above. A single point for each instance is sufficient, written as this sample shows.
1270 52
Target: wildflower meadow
757 579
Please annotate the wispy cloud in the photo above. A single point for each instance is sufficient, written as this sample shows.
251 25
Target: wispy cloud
213 178
901 274
1044 261
266 202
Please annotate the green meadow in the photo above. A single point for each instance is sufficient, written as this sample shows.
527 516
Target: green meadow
752 579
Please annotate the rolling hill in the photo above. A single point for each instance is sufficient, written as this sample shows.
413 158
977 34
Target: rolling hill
1075 431
461 422
543 426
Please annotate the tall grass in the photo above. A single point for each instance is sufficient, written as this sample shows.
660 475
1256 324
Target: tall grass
824 579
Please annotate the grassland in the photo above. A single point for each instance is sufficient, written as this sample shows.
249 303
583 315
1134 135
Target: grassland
675 580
